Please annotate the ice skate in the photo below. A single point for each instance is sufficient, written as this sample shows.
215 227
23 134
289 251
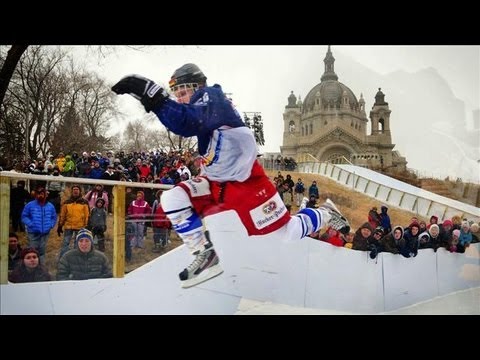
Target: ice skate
335 217
204 267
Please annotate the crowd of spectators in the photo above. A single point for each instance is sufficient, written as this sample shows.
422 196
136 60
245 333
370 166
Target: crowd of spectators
143 210
377 235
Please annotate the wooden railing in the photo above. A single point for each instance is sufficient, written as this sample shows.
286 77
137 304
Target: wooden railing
118 262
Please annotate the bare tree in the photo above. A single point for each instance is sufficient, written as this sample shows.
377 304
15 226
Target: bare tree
33 89
9 62
49 99
97 105
138 136
8 67
11 139
135 135
118 142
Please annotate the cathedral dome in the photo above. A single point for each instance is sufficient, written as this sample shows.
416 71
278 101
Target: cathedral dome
329 91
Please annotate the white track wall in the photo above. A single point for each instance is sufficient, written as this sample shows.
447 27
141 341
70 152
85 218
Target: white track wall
393 192
306 273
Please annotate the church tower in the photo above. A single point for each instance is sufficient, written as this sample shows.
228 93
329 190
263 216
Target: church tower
380 117
331 125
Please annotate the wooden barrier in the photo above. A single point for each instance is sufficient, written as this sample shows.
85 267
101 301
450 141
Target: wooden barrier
118 262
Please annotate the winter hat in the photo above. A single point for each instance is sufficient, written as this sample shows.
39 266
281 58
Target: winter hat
424 236
415 224
84 234
366 226
435 228
379 229
28 251
456 232
456 219
474 227
447 222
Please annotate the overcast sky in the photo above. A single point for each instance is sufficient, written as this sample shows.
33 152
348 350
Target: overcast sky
260 78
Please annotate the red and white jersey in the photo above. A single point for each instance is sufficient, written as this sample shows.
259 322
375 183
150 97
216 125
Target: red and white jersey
230 155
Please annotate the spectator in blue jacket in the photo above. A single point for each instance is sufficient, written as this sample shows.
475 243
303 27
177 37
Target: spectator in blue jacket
39 216
385 220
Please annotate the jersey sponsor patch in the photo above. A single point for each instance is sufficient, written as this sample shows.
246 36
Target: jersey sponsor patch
268 212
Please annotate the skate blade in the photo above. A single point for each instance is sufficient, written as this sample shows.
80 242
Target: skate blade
346 229
204 276
332 205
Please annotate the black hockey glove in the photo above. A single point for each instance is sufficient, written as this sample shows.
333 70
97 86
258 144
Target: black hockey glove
150 94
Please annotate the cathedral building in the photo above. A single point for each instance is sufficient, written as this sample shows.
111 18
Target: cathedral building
331 125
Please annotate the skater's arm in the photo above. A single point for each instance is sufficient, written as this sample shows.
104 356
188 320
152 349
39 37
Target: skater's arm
208 110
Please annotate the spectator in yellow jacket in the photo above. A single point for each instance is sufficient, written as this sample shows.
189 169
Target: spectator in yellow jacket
73 217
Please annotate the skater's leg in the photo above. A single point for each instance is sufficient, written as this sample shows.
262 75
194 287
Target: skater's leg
185 220
188 224
310 220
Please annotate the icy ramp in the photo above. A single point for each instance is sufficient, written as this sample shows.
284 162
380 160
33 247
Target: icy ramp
307 274
253 307
464 302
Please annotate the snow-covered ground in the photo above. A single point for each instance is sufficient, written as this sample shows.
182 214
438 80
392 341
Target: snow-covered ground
465 302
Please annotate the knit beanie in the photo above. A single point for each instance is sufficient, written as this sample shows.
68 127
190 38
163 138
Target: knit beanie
84 234
447 222
27 251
